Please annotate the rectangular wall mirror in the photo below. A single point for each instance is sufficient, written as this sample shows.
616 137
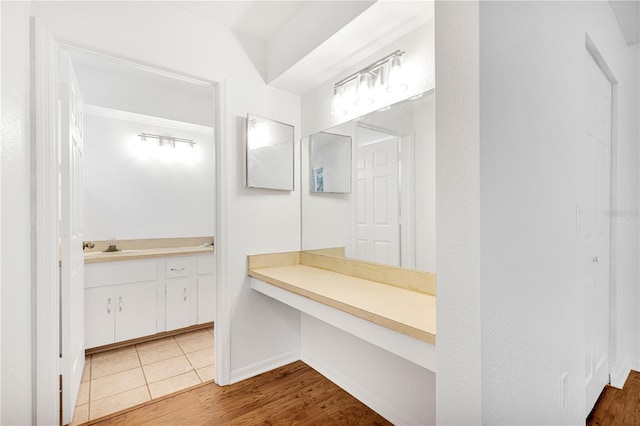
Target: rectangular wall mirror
388 216
330 166
270 154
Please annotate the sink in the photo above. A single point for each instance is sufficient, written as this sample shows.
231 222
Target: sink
112 253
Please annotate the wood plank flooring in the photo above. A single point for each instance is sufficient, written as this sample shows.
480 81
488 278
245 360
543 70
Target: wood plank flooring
618 406
294 394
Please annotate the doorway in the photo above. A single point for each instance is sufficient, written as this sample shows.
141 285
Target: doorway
123 100
594 223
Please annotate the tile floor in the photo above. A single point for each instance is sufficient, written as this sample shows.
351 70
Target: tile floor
121 378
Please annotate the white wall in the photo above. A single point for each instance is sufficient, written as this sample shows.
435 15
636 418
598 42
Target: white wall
521 302
119 86
130 193
418 45
259 221
459 381
400 390
424 125
17 351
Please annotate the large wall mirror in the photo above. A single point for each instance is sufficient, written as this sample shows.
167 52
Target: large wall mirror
270 152
389 215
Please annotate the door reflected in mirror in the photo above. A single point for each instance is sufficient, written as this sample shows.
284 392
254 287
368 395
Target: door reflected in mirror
388 216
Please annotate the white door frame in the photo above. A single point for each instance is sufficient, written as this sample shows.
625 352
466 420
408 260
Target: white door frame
617 373
44 201
44 83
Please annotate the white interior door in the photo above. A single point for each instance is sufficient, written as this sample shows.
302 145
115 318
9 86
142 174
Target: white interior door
71 234
595 224
376 191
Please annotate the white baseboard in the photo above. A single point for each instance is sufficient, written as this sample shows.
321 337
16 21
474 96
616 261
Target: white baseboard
364 395
264 366
621 374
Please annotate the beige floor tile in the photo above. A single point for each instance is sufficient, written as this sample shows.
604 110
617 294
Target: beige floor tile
167 368
201 358
86 373
155 343
83 394
118 402
195 341
108 366
205 373
173 384
159 353
116 383
114 353
80 415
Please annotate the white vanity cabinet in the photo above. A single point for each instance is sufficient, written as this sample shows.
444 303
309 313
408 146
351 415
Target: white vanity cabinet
120 301
128 299
206 286
179 309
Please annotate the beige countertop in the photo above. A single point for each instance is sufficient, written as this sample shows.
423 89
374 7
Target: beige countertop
406 311
144 253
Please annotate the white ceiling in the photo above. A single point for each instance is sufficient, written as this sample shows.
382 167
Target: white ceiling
628 15
258 19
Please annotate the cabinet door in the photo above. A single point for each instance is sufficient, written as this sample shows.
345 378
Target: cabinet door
135 310
206 298
99 316
178 303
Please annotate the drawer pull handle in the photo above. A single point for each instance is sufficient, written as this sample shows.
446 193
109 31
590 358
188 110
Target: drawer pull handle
178 269
120 304
109 305
185 294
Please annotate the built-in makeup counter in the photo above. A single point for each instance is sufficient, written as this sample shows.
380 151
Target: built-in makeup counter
393 308
149 248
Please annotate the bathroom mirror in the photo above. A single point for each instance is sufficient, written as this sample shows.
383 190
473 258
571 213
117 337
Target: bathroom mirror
330 163
270 151
389 215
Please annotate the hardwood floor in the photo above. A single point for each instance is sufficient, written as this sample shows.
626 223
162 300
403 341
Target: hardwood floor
290 395
618 406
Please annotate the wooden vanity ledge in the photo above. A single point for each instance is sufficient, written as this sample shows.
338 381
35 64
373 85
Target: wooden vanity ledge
145 253
405 311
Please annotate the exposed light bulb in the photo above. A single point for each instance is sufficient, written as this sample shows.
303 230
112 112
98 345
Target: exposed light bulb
396 82
364 90
338 107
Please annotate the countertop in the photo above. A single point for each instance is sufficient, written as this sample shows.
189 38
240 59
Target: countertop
406 311
144 253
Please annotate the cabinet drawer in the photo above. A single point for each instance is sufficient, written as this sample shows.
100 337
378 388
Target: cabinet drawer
206 264
126 271
178 268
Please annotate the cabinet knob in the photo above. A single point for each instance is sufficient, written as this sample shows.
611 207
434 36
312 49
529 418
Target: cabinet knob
177 269
185 294
109 305
120 303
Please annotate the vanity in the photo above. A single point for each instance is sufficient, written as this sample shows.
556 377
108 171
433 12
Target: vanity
149 288
363 286
383 300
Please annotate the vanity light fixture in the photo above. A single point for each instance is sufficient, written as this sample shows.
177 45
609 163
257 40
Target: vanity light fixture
166 141
396 82
384 75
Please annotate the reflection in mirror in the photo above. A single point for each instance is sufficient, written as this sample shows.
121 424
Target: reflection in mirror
330 163
389 216
270 150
